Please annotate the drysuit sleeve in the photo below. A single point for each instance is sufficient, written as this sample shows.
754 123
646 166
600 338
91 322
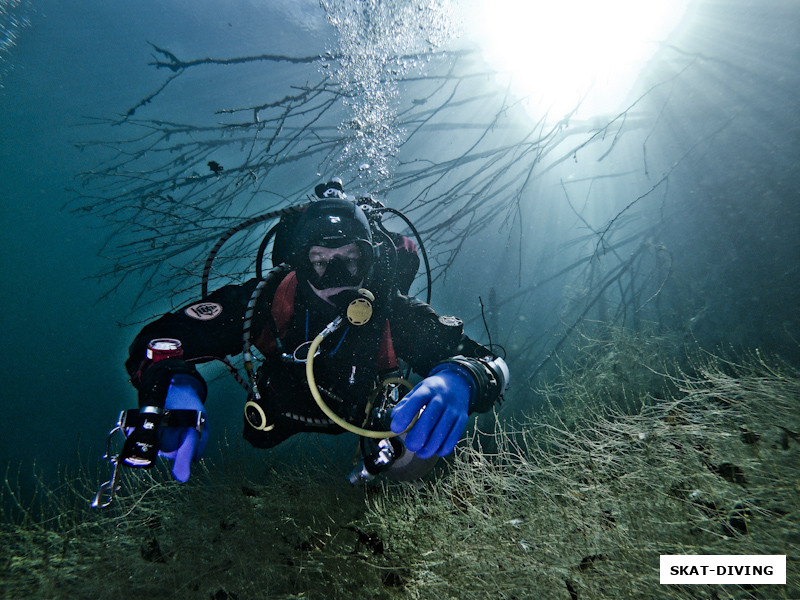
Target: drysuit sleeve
207 329
426 340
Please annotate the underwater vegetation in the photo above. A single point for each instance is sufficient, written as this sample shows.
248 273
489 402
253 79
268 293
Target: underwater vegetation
624 459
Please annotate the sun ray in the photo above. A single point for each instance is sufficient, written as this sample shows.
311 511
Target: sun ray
559 54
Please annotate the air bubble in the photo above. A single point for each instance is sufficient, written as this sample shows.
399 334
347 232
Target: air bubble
374 39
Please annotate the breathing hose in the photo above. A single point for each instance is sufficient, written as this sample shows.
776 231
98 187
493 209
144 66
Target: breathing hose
312 386
421 248
241 227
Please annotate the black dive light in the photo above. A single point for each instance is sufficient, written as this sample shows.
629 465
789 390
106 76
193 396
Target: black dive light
377 457
140 449
141 426
141 444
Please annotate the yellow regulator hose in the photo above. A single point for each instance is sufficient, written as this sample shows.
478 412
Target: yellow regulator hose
312 386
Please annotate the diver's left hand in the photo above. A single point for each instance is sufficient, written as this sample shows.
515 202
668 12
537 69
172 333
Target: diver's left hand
445 396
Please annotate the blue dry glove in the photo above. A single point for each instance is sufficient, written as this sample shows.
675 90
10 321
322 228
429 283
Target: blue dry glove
445 394
183 444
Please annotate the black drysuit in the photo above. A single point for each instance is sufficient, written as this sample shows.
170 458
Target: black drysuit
350 362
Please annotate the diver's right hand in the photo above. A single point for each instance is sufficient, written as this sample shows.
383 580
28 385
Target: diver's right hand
183 445
445 396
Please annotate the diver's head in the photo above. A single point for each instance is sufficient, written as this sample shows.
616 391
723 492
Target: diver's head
333 245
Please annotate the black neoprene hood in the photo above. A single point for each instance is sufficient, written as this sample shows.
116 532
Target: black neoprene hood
332 223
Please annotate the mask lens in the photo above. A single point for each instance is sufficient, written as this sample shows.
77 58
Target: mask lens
340 272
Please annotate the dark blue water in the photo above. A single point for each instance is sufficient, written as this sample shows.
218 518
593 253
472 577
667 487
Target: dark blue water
699 190
63 380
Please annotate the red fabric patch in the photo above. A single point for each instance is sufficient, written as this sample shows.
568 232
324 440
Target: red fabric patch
282 309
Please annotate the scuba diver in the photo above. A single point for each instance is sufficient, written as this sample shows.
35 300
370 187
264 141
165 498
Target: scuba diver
332 321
